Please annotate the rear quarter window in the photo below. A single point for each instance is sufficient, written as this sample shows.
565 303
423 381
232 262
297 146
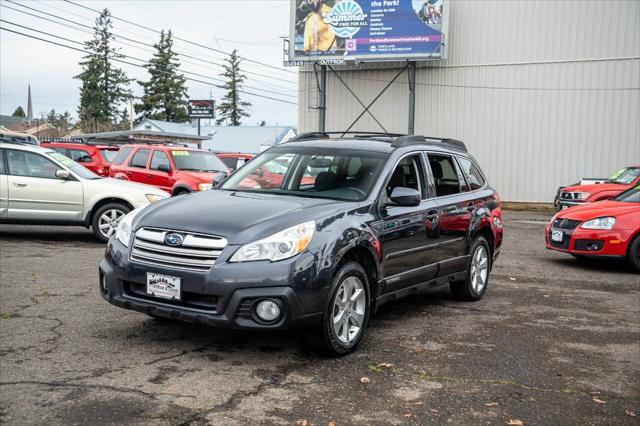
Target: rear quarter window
471 173
122 156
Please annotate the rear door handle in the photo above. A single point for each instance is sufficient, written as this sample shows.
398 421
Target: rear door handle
20 185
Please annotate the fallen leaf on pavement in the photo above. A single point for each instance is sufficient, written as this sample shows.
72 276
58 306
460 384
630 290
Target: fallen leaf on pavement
598 400
433 410
364 380
491 404
385 365
331 423
408 415
511 279
302 422
420 350
515 422
629 413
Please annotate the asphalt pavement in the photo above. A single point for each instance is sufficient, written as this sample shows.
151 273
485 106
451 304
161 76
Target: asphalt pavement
555 341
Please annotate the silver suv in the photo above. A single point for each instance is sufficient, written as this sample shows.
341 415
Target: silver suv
42 187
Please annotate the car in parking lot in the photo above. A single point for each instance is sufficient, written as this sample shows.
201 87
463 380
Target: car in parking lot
604 229
39 186
577 195
381 217
96 158
176 170
234 160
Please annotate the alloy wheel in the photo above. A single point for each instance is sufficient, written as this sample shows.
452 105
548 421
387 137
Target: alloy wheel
349 309
479 269
108 222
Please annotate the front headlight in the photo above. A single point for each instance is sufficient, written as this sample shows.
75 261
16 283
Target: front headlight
123 231
204 186
599 223
155 197
580 195
280 246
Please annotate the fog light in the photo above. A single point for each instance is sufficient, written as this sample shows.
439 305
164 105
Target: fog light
268 310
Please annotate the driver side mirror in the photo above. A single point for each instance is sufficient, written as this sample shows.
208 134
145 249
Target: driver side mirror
164 168
63 174
405 197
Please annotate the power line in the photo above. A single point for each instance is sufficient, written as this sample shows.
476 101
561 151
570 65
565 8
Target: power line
142 66
117 36
142 60
181 39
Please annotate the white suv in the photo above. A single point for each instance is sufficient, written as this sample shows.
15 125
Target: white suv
42 187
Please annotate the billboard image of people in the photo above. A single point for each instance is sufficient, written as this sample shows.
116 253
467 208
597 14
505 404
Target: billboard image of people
371 29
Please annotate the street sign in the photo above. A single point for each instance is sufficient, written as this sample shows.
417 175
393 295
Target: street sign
204 108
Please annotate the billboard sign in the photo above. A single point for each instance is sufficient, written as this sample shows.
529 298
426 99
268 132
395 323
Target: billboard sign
204 108
367 30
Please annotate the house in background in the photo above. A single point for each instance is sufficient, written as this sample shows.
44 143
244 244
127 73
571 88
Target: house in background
242 139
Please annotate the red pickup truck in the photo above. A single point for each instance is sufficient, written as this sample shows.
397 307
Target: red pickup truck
177 170
578 195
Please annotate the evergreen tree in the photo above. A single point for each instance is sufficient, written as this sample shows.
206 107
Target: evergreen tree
165 94
52 118
104 86
64 121
232 109
19 112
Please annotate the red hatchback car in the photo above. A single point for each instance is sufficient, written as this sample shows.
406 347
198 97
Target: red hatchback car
577 195
96 158
177 170
609 229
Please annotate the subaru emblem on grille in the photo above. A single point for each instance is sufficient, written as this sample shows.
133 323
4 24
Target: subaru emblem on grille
173 239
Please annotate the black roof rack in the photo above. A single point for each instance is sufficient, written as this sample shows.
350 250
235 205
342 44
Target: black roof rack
327 135
416 140
397 140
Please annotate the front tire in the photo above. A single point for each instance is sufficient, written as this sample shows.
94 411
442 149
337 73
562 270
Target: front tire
633 254
106 219
474 286
346 316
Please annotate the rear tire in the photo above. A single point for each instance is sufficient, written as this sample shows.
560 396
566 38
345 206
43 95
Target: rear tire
475 285
346 315
106 219
633 254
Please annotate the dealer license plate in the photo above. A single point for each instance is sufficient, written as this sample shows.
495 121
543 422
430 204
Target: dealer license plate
163 286
557 235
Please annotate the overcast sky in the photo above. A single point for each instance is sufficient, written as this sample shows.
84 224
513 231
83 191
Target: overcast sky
253 27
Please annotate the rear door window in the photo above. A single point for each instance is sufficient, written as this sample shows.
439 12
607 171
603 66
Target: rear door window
472 173
122 156
445 175
140 159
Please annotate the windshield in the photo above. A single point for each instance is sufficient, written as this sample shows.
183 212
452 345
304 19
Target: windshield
76 168
108 154
625 176
630 196
197 161
335 174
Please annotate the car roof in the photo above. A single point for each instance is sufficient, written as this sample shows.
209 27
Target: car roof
164 147
25 147
67 145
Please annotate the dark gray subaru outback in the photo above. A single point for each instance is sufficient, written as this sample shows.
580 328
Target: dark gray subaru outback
315 233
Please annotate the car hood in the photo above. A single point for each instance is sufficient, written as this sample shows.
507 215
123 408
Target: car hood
599 209
204 177
595 188
119 185
240 217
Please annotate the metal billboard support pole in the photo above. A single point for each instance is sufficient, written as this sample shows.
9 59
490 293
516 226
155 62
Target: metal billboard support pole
198 127
412 98
322 107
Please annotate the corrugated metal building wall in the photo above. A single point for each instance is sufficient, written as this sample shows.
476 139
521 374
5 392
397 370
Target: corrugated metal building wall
542 92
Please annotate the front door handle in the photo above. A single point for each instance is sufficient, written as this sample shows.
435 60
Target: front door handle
19 185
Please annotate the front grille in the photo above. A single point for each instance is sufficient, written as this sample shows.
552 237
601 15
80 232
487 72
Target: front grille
197 252
566 223
204 302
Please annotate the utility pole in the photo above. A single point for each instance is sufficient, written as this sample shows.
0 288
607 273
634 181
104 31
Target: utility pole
322 107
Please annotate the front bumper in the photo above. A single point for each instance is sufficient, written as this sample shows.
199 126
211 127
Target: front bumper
225 295
596 243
